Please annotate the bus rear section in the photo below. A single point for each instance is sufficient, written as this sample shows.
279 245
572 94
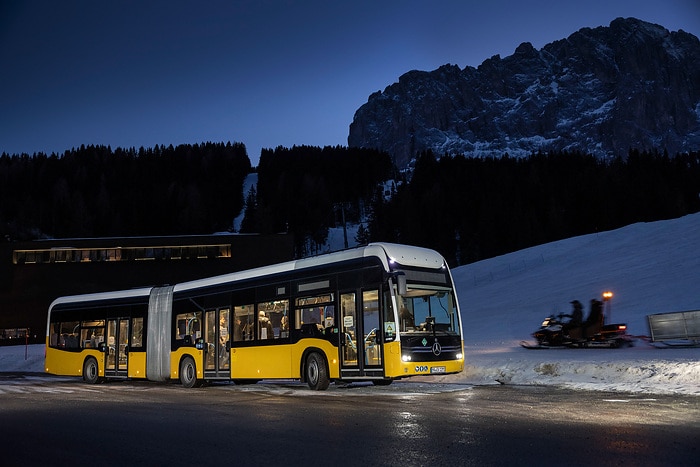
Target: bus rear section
119 335
98 336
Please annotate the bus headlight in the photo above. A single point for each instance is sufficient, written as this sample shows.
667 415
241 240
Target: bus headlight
405 358
459 356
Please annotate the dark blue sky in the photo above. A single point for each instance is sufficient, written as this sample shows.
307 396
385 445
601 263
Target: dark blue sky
261 72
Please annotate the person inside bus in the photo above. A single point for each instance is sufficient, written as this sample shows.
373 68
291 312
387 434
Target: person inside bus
330 330
223 337
237 329
265 327
329 320
248 329
284 325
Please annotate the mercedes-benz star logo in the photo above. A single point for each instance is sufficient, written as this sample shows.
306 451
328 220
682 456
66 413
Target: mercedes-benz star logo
437 349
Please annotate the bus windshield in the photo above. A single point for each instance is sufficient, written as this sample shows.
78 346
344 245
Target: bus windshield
428 309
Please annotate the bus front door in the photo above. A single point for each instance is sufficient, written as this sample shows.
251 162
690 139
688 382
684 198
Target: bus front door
218 345
117 348
361 353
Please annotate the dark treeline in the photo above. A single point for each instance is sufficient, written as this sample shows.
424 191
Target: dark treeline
466 208
474 208
96 191
306 189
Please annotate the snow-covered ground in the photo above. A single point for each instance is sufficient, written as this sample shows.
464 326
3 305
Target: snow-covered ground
650 268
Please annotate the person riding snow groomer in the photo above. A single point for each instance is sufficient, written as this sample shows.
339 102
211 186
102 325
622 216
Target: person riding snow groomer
576 320
595 317
576 314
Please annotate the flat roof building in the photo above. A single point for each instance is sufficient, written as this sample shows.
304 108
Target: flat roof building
34 273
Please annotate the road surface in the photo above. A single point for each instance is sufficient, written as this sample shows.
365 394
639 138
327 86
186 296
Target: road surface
63 421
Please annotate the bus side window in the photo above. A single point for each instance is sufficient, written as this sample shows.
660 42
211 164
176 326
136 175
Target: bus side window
187 328
272 319
137 332
243 323
53 340
69 335
72 341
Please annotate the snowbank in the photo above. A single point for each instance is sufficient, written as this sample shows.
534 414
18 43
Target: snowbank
649 267
20 358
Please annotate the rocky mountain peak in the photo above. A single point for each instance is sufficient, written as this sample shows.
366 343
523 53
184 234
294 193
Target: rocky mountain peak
601 90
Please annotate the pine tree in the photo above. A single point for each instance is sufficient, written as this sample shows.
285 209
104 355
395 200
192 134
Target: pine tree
249 224
362 235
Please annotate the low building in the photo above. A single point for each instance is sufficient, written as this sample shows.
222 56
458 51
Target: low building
33 274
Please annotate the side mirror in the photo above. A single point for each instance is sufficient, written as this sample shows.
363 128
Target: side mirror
401 283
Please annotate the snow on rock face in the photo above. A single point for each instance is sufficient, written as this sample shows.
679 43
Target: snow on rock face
601 91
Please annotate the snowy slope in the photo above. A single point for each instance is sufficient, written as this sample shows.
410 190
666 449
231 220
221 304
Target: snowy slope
251 180
651 268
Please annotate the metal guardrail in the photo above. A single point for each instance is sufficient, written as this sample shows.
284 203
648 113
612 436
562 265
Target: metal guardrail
680 325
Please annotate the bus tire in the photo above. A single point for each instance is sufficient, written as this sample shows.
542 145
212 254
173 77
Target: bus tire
316 372
91 372
188 372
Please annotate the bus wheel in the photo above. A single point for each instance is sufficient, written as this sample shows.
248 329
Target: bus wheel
317 372
91 373
188 372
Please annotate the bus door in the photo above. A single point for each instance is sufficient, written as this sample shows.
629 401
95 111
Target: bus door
361 353
218 343
117 347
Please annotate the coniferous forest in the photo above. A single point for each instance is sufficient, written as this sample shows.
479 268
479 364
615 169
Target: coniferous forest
95 191
305 190
466 208
475 208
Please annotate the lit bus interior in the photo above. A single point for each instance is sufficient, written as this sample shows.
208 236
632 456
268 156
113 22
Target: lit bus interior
427 309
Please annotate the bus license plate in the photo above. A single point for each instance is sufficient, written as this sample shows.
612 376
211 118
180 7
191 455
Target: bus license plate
437 369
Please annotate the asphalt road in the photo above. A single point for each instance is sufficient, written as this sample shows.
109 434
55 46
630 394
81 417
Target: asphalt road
62 421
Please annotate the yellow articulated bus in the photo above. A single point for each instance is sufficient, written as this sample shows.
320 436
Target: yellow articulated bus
375 313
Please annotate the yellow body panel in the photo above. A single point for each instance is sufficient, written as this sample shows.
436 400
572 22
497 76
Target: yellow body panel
67 363
273 361
278 361
137 365
392 359
264 362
